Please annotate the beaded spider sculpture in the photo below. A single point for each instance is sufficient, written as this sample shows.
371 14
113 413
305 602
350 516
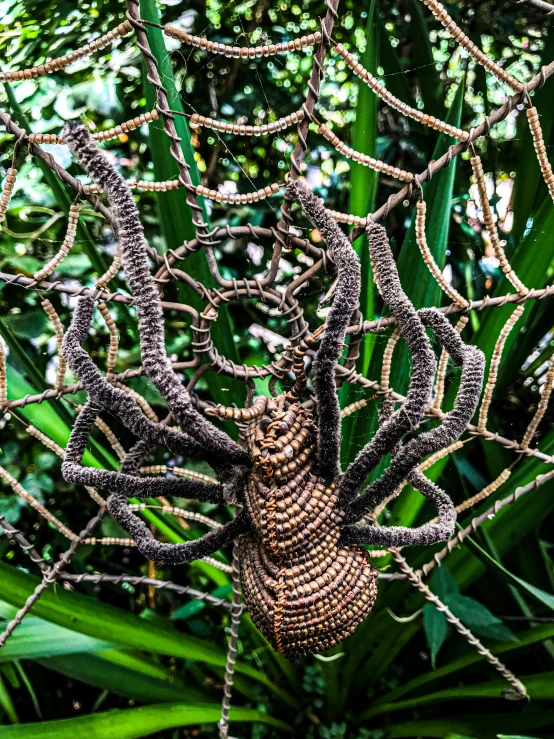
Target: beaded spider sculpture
307 578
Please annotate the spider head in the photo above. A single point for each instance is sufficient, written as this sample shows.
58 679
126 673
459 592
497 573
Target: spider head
280 439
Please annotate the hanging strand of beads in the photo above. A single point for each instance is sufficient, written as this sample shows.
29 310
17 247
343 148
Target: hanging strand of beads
474 51
494 365
7 191
490 225
114 339
65 247
540 149
367 161
198 120
421 241
64 61
546 392
242 52
58 330
111 133
387 97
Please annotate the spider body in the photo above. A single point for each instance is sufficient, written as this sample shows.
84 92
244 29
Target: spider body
307 578
305 591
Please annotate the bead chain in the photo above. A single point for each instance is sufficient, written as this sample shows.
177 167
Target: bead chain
64 61
7 191
474 51
367 161
540 148
108 135
491 227
421 241
242 52
494 365
58 330
65 247
198 120
380 90
541 408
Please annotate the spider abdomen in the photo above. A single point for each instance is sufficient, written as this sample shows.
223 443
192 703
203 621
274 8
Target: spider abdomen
305 591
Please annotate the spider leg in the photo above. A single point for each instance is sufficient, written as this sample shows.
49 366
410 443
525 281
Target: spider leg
345 302
409 456
114 482
147 300
400 536
105 395
134 486
424 366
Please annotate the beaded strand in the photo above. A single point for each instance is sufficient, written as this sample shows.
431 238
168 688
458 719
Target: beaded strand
390 99
367 161
238 198
198 120
7 191
474 51
540 148
107 135
58 330
490 225
65 247
242 52
421 241
494 365
64 61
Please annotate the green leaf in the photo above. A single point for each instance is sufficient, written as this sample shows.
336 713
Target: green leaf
444 583
89 616
135 722
541 595
363 188
127 674
478 617
435 626
36 638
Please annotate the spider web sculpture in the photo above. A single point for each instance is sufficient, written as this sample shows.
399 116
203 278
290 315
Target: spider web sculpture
299 531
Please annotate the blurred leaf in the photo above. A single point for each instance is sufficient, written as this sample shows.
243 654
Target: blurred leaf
478 618
435 626
135 722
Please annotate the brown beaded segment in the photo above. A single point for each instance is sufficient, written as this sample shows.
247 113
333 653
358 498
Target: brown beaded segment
540 148
490 225
380 90
474 51
304 590
64 61
238 129
7 191
107 135
367 161
238 198
242 52
63 251
58 330
216 195
421 241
